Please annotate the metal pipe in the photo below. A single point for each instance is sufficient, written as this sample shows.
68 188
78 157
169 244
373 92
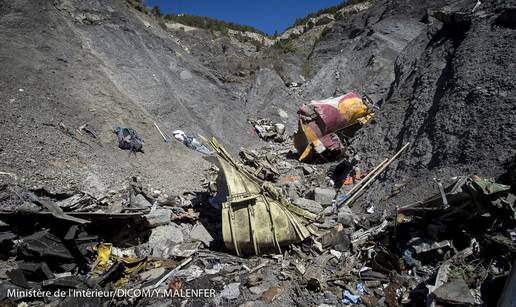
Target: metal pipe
358 185
384 166
159 130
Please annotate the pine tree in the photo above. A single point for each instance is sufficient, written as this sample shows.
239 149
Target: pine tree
156 11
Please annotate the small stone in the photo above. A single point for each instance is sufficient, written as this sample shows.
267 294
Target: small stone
184 249
171 232
328 211
158 217
335 253
308 204
171 200
152 274
280 128
307 170
140 202
185 75
143 250
255 279
324 196
270 295
282 113
345 216
258 290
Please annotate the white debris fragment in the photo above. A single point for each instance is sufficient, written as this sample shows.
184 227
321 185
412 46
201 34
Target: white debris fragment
231 291
336 253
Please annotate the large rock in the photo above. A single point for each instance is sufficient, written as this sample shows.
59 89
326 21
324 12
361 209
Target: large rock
308 204
324 196
158 217
140 202
161 241
345 216
199 233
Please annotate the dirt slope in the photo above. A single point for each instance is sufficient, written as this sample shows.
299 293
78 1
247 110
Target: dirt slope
44 55
442 75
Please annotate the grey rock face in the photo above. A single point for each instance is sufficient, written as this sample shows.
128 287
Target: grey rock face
428 67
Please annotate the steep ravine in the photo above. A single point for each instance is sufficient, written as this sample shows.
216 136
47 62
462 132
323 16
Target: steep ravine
442 75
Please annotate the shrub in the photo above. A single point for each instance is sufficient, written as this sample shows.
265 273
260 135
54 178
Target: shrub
138 5
285 46
328 10
246 39
306 70
210 23
155 11
323 34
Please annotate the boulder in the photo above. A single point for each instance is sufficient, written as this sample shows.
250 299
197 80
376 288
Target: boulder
308 204
158 217
324 196
199 233
345 216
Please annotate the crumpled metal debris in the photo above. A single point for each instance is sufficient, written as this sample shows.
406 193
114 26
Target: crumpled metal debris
319 120
129 265
456 252
269 130
260 167
255 217
349 298
423 247
454 292
191 142
128 139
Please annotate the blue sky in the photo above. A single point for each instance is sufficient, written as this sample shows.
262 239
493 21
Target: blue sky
265 15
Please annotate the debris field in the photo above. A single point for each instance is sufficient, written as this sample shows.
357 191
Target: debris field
267 229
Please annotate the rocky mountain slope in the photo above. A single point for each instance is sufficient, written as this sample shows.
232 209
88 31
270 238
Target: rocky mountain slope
442 73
